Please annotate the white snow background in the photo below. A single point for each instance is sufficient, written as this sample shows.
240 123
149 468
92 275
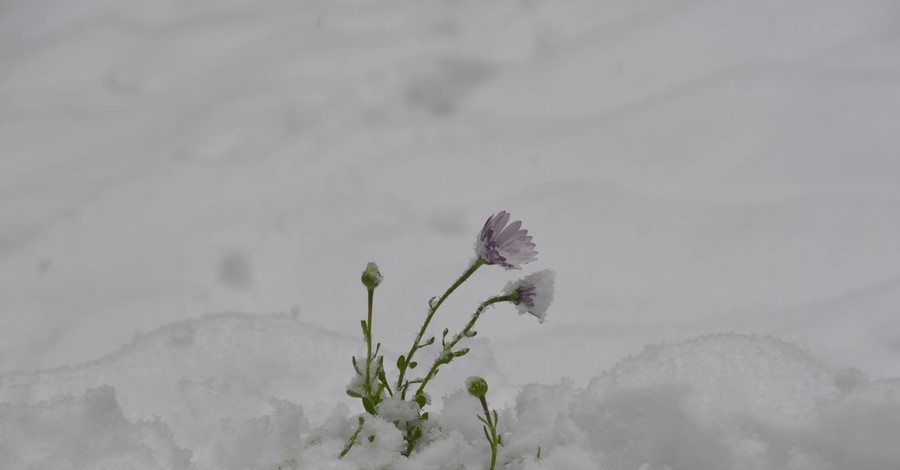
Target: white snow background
715 183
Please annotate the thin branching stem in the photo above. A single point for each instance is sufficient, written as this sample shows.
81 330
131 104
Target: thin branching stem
432 309
448 348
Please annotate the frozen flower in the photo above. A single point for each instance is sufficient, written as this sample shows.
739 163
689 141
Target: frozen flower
507 245
533 293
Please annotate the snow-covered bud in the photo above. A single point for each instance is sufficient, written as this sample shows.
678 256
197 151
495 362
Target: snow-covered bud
371 277
477 386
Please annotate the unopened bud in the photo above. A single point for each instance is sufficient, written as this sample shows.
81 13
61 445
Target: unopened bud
371 277
477 386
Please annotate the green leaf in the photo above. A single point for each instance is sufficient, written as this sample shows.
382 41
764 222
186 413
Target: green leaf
462 352
421 401
364 328
487 436
471 334
401 362
353 394
429 342
413 364
384 383
369 406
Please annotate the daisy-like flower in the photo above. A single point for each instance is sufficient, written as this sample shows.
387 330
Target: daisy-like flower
533 293
507 245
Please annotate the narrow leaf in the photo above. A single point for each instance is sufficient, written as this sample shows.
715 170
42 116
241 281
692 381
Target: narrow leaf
367 404
462 352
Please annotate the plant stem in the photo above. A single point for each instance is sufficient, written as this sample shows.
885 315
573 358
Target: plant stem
432 309
352 439
448 348
493 429
368 384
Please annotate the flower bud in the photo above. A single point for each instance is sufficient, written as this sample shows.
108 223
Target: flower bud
477 386
371 277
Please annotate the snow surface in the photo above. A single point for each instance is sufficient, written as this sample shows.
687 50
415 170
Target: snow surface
700 174
239 391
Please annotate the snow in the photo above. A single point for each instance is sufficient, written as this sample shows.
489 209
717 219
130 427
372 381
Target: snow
241 391
715 184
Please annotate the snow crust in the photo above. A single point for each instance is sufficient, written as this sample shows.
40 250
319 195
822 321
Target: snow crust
258 392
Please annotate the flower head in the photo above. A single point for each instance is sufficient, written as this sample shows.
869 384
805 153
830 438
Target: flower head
371 277
477 386
507 245
533 293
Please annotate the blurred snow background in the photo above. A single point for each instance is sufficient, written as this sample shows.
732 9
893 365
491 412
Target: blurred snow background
687 167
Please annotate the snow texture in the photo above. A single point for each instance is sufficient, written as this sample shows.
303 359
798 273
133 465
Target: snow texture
720 401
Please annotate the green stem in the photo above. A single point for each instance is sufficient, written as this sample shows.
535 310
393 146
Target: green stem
368 386
448 348
432 309
493 429
352 439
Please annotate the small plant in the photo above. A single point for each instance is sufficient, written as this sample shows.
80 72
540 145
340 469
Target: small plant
478 388
499 243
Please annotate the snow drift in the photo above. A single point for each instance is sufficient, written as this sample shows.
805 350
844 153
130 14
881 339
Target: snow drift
258 392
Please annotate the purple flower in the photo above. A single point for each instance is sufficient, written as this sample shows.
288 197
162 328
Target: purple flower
533 293
507 245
